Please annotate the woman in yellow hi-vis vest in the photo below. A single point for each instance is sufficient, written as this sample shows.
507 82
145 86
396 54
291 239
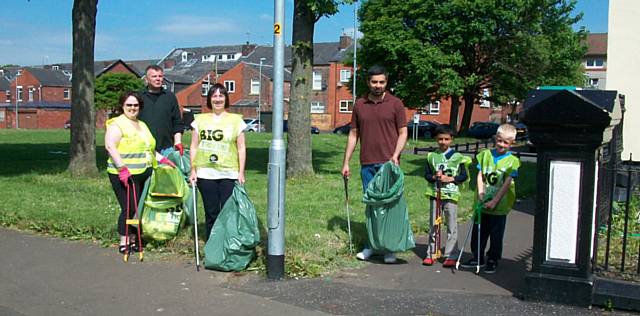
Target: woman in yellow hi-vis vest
132 156
218 153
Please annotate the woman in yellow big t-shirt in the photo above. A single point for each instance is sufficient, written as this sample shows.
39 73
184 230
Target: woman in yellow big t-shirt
132 156
218 153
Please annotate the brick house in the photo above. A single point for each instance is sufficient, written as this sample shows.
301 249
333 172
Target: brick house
595 61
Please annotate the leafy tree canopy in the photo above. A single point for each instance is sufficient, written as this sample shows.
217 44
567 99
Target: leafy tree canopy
110 86
454 48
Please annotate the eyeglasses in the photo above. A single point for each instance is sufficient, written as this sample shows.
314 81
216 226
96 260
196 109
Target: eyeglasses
135 105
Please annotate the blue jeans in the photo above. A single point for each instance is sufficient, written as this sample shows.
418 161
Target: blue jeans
367 172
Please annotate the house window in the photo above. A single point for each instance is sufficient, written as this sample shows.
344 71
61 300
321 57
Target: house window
19 93
595 63
205 87
65 94
255 86
230 85
317 107
484 103
346 106
8 93
55 67
345 75
31 94
317 81
434 108
231 56
220 57
185 57
2 116
593 82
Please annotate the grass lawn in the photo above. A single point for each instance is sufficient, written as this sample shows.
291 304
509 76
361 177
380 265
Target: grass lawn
39 195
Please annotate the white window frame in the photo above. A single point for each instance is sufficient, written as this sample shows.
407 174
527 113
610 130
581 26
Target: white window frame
205 88
344 106
255 87
230 85
184 57
31 90
317 107
317 81
484 103
66 94
19 93
434 108
592 63
8 96
55 67
345 75
593 82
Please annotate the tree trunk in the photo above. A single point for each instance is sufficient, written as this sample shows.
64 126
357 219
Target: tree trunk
453 115
299 156
82 149
469 102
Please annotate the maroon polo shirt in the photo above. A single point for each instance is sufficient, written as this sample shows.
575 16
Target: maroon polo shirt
378 124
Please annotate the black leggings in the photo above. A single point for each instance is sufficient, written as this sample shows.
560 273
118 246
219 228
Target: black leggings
214 194
121 194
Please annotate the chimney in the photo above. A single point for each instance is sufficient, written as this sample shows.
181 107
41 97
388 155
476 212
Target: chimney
169 63
345 41
247 48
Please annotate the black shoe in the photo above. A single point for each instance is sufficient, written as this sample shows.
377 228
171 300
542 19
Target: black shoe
134 248
471 263
122 249
491 267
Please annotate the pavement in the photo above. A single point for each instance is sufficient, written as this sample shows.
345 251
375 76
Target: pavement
41 275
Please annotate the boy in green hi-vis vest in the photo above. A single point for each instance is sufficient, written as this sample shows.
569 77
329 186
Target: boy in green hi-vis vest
496 170
446 170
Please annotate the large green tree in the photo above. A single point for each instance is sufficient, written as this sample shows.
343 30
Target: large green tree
305 15
110 86
459 48
82 151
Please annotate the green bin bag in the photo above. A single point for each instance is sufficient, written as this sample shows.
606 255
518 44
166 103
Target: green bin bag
388 226
234 236
164 206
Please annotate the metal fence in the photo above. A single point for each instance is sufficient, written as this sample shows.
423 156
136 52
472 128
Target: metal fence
475 147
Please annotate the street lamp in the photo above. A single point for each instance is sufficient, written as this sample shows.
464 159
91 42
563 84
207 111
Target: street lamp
17 98
262 59
355 46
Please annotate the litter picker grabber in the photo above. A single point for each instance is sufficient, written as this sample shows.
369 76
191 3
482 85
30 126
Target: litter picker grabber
436 236
195 226
466 239
346 194
135 221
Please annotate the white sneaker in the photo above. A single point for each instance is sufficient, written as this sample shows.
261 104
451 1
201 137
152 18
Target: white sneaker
365 254
390 258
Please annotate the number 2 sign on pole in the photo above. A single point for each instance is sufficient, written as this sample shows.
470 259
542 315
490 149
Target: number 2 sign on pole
276 29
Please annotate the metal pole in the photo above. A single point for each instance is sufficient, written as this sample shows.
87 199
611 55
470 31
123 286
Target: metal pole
17 120
260 92
277 155
355 45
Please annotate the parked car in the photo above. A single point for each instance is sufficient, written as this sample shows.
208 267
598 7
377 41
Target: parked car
67 124
522 133
482 130
425 128
344 129
285 128
252 125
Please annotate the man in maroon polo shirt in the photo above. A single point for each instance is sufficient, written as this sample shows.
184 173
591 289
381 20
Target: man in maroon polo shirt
379 121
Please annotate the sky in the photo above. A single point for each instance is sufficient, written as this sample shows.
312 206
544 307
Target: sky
35 32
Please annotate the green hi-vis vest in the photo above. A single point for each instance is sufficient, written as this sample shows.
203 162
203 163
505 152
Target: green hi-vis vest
438 161
495 174
217 147
136 148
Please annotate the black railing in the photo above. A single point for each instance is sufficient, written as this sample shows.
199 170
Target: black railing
474 148
619 224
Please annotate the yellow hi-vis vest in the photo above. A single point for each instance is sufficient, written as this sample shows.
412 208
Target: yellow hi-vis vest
217 147
136 148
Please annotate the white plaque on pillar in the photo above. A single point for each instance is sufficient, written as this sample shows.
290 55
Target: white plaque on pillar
564 205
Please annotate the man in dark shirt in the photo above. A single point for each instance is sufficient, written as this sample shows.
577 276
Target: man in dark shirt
161 112
380 122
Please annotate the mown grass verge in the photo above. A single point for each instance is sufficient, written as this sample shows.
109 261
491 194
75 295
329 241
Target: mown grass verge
40 195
